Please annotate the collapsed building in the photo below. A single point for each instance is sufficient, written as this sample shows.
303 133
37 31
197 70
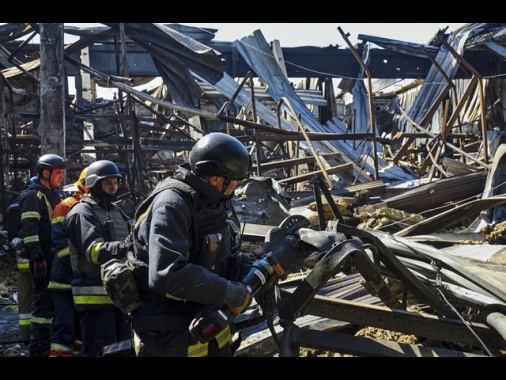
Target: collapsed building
209 86
442 130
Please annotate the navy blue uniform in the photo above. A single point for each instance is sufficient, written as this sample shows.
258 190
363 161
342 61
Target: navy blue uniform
179 273
37 205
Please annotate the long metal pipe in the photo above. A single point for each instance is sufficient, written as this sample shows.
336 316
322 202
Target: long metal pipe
498 322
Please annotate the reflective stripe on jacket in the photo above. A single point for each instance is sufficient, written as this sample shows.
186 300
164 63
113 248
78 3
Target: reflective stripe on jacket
37 205
86 226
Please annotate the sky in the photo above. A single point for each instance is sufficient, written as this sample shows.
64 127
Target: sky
325 34
320 34
313 34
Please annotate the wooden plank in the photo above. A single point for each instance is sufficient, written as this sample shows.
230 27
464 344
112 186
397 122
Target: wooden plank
295 161
376 189
426 197
308 176
450 218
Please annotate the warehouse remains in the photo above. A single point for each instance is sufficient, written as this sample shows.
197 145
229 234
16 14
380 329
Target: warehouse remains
428 158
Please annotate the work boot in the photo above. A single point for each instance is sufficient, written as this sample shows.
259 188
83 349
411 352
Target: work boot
38 350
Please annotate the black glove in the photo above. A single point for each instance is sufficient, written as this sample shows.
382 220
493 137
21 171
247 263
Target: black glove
38 268
283 243
237 297
119 249
128 241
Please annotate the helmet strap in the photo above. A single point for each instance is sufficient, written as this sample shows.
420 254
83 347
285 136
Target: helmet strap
226 184
41 176
45 181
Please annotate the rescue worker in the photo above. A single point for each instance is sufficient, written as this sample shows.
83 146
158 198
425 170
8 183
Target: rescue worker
187 254
94 227
24 279
66 338
37 205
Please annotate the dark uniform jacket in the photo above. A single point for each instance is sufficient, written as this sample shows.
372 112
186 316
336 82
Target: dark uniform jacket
178 273
94 230
37 205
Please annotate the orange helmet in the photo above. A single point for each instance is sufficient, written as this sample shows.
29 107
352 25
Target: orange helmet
80 183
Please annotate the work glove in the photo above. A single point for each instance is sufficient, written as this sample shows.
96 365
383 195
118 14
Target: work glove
38 268
237 297
115 250
124 246
283 243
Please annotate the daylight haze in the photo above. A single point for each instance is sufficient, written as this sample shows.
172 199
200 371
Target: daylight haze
320 34
324 34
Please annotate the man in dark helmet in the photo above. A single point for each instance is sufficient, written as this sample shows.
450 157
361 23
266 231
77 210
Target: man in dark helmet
66 337
186 252
94 227
37 205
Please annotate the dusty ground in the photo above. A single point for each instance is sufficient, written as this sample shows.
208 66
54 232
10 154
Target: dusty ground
10 339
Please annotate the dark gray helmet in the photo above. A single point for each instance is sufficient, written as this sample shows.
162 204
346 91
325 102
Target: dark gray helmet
49 162
222 155
100 170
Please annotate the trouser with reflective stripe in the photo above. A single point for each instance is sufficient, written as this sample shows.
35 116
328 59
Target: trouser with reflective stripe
42 318
176 344
65 323
25 297
217 347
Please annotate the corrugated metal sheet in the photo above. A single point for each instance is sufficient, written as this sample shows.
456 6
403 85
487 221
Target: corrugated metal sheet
256 51
435 81
312 97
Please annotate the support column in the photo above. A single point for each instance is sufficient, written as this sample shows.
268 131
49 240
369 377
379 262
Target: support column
52 89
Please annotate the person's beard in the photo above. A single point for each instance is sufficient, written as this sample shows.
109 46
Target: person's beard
98 193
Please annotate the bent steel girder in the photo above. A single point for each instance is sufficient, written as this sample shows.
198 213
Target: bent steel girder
342 255
399 270
385 255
